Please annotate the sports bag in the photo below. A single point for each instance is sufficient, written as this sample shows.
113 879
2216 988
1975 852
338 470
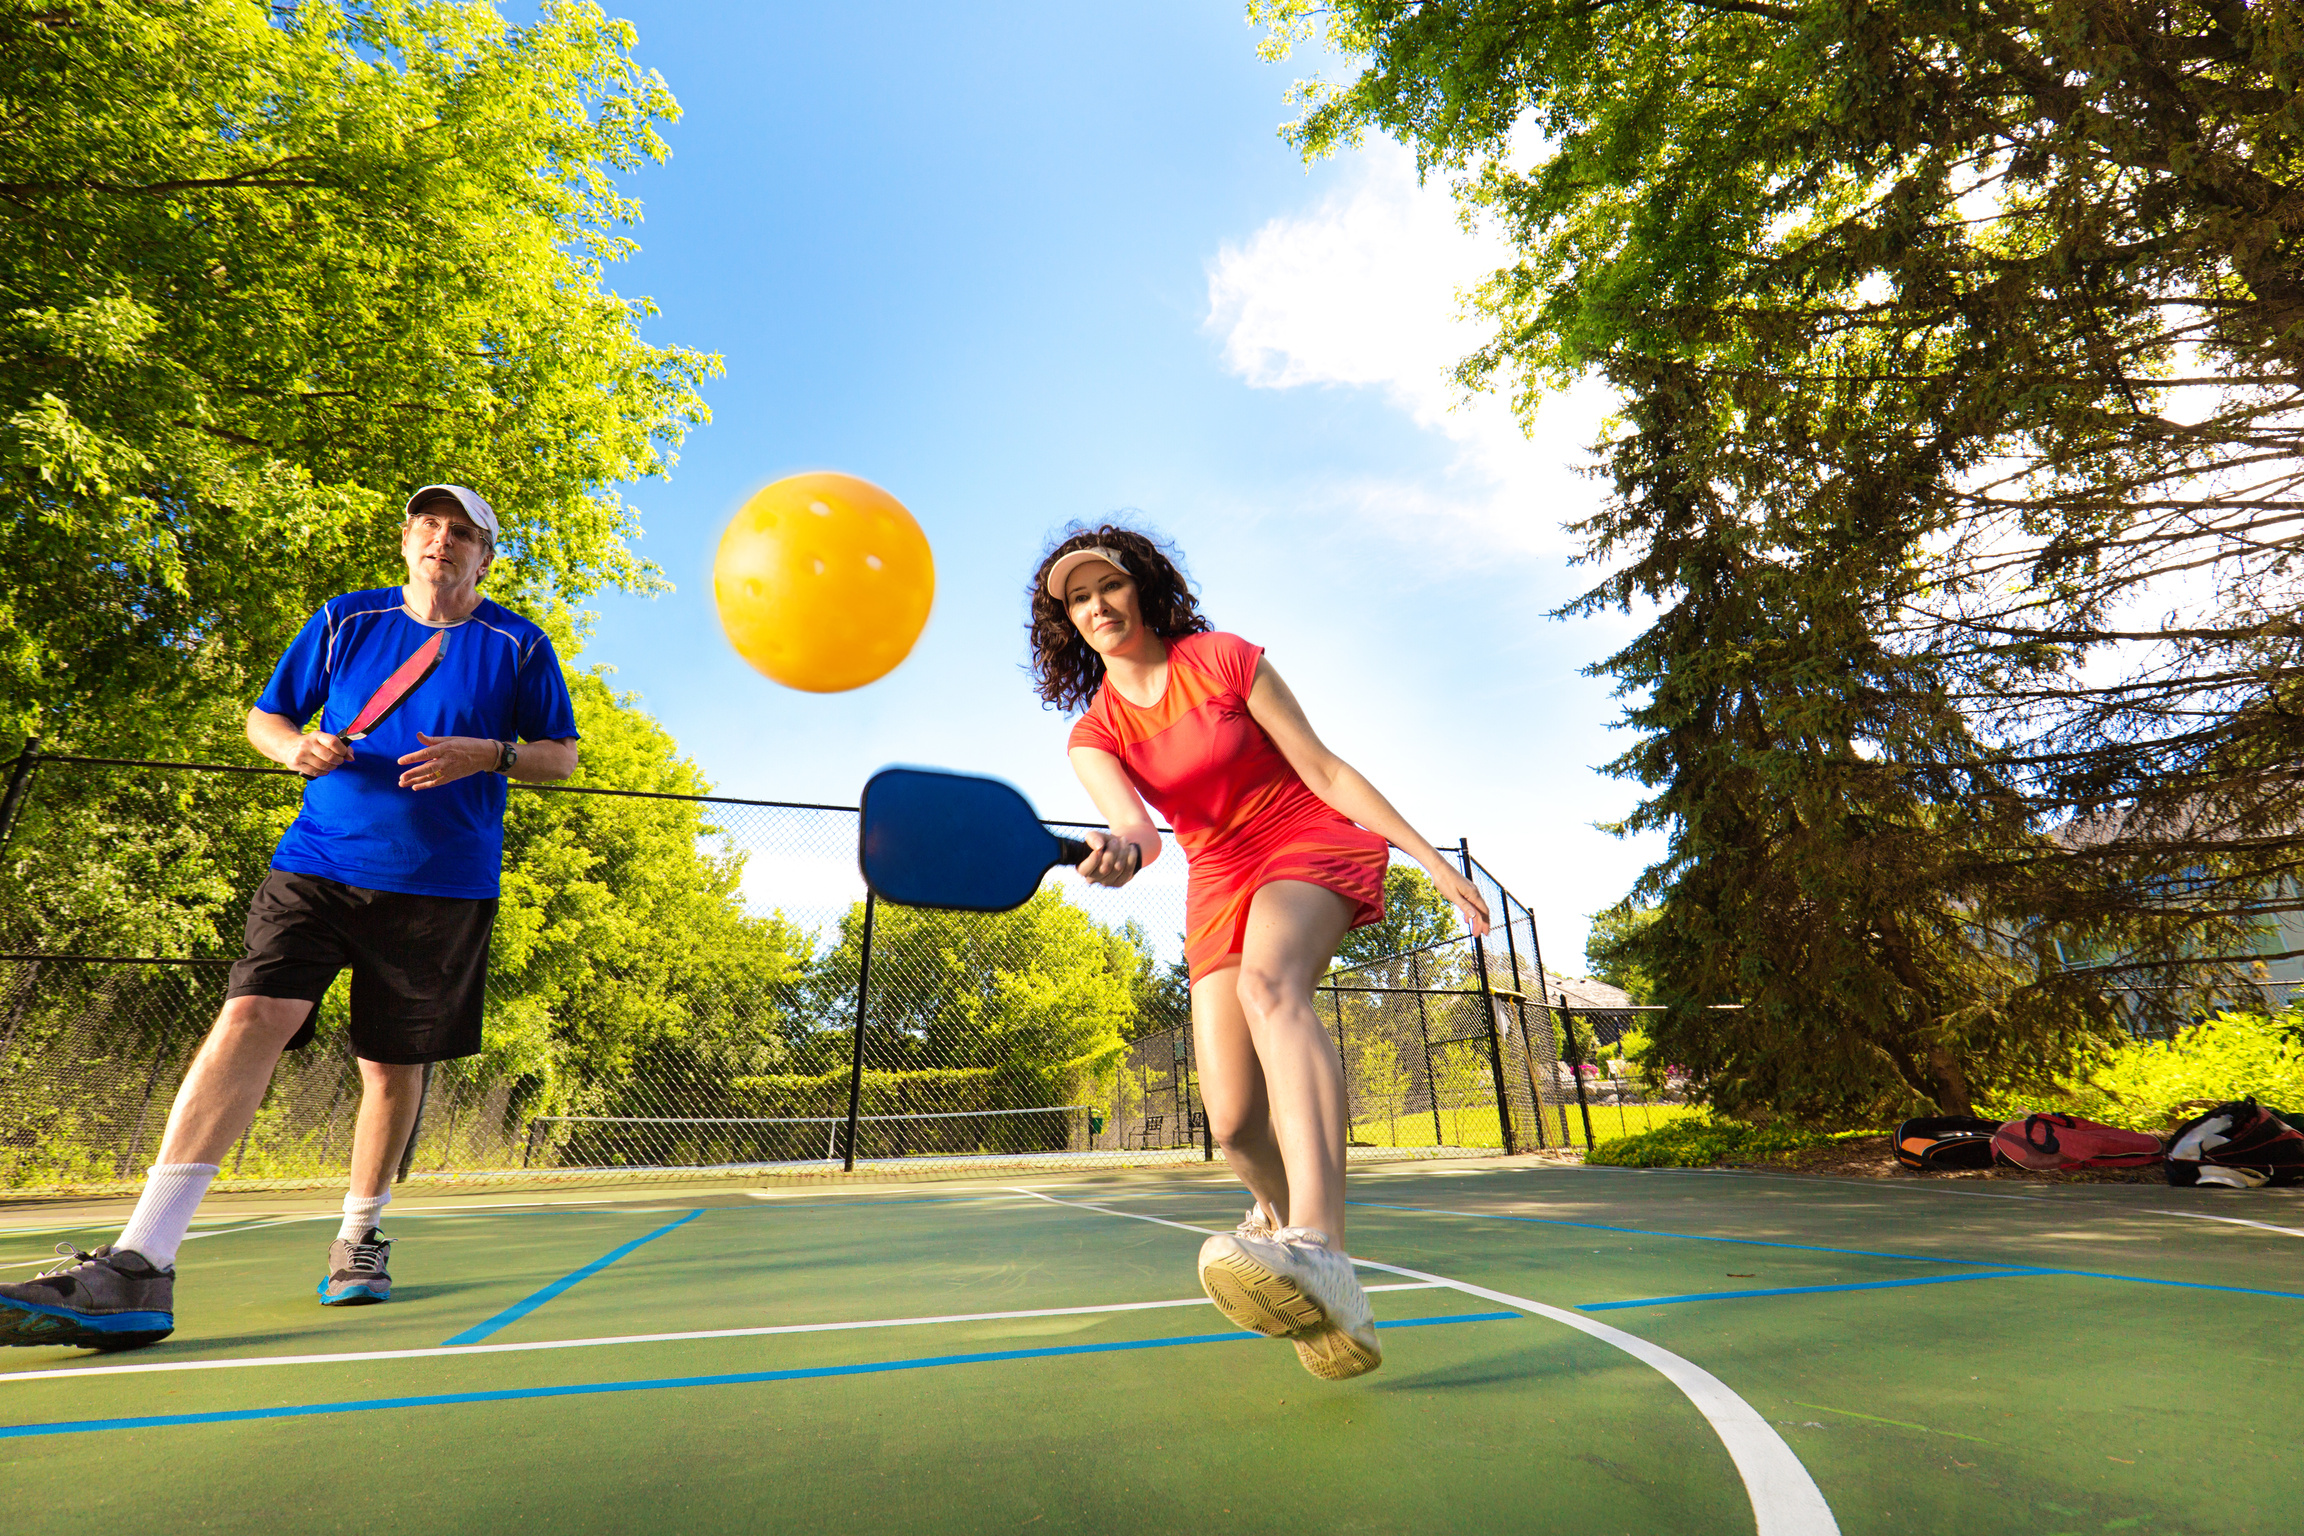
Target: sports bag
2240 1145
2045 1143
1943 1142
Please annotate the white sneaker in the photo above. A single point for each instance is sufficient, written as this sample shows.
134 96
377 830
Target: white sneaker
1344 1344
1257 1280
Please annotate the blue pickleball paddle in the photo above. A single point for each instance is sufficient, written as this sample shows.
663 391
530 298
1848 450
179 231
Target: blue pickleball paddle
955 840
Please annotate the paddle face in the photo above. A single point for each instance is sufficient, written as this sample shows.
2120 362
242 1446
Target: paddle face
394 690
954 840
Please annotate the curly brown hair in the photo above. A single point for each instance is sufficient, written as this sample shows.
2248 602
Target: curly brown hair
1066 671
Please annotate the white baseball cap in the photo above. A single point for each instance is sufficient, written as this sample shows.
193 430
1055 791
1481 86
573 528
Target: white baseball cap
1072 559
475 506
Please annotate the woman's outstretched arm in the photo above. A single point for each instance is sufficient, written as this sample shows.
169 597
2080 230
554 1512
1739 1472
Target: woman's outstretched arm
1123 810
1344 788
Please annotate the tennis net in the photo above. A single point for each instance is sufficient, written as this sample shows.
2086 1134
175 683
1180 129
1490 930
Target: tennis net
662 1141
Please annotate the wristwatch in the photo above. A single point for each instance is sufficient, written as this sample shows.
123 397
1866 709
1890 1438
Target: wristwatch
507 754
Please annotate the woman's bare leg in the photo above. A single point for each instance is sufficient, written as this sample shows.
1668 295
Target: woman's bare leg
1232 1091
1269 1074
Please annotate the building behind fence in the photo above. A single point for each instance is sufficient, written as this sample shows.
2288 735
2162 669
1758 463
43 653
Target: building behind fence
674 987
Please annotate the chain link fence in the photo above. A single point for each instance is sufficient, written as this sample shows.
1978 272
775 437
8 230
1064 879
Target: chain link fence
1603 1078
673 990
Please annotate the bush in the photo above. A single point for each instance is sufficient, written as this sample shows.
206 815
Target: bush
1700 1143
2151 1085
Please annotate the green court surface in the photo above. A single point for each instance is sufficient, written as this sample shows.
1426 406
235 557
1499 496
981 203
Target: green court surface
1567 1349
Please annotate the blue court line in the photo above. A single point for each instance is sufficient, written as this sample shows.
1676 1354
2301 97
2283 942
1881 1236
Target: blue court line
1801 1290
669 1383
2181 1285
521 1309
1861 1253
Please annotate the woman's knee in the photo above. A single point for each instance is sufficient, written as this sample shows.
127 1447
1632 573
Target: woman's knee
1237 1127
1267 993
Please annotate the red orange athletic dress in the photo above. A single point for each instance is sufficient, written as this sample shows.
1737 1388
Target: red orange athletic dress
1241 813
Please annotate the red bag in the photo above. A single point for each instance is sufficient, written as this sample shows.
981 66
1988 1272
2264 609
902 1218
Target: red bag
2044 1143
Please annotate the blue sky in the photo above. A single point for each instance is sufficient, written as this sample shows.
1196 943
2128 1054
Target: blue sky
1026 263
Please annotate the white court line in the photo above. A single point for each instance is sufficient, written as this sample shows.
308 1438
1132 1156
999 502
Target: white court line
490 1205
190 1237
1785 1499
439 1351
2261 1226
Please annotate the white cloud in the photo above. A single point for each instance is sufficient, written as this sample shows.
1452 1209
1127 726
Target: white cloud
1368 291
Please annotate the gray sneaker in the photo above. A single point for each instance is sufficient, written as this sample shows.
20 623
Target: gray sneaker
110 1299
356 1272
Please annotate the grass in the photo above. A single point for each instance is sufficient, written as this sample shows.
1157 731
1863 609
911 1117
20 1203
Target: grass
1475 1125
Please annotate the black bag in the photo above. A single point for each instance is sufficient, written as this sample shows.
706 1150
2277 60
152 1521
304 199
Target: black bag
1943 1142
2241 1145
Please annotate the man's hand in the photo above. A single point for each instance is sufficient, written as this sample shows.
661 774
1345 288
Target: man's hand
283 740
445 759
319 753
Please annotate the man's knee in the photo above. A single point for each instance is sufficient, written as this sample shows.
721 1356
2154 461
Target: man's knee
260 1021
391 1077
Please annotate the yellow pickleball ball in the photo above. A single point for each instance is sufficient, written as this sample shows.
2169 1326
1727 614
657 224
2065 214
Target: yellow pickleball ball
824 582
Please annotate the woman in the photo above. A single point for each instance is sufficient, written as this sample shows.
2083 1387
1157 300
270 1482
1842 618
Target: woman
1288 849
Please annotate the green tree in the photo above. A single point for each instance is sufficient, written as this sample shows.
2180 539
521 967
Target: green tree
1380 1078
1415 915
1945 338
263 271
1606 953
1029 1007
627 975
1163 993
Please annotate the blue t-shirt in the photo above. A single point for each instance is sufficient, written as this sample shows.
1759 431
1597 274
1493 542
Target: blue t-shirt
497 678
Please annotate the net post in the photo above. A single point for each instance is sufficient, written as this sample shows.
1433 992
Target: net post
1488 1004
856 1058
19 783
1520 1006
1575 1069
1424 1035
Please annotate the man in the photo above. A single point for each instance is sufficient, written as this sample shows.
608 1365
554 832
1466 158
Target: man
390 868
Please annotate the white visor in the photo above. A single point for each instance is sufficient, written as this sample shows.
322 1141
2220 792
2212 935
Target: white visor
1072 559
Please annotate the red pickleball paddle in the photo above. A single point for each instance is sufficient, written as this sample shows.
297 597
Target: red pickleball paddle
394 690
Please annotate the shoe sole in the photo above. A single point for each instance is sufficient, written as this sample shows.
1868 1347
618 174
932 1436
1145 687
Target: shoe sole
29 1325
1259 1299
359 1294
1331 1354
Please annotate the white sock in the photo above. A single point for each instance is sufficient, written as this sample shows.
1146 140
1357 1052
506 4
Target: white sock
172 1193
361 1213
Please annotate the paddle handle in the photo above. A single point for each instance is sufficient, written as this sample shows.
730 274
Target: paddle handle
1070 850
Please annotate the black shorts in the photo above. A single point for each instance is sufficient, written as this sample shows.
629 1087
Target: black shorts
419 963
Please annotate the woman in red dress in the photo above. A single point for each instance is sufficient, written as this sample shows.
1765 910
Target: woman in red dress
1287 849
